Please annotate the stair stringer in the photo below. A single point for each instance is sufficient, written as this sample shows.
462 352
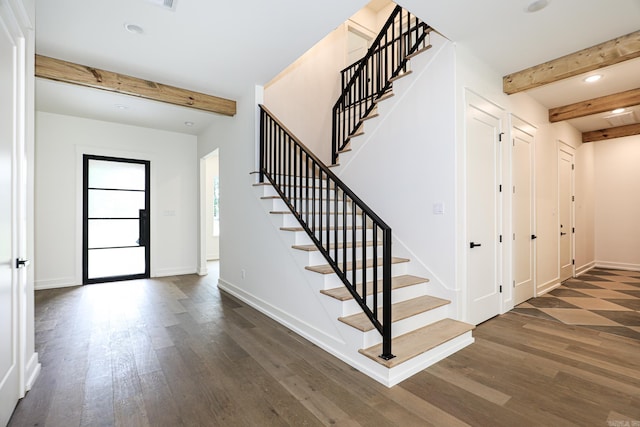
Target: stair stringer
348 341
348 162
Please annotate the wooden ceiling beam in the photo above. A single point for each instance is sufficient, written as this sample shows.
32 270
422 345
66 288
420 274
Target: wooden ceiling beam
602 55
625 99
617 132
69 72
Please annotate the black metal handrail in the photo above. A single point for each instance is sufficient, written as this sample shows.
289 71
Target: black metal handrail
368 79
336 220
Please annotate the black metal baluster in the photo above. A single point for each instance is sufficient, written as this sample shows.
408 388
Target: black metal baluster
386 295
354 238
374 238
364 256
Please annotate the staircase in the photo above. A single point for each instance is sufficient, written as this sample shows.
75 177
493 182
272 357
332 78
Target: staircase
390 325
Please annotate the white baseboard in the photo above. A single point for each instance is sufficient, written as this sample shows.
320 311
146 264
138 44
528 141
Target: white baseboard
174 272
548 287
31 371
63 282
617 265
585 268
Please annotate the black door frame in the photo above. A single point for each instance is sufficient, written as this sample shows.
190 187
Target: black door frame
145 228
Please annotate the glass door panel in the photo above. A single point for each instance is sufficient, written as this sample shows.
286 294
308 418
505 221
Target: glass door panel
116 226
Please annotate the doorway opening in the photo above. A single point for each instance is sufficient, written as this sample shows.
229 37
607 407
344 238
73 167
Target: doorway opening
116 226
212 185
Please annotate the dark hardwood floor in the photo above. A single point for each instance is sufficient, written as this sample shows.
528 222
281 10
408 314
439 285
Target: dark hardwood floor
178 352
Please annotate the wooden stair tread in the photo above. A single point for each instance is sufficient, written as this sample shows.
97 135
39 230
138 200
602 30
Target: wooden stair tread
401 75
420 341
369 227
401 310
384 96
397 282
419 51
371 115
326 268
314 248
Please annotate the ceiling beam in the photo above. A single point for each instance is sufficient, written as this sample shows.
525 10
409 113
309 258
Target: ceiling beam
617 132
608 53
625 99
69 72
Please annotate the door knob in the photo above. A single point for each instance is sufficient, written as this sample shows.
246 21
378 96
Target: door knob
562 234
20 263
533 237
473 245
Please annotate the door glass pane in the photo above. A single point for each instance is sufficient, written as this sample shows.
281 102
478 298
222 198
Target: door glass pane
119 175
115 204
104 233
116 262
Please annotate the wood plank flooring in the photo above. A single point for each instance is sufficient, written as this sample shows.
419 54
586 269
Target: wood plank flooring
177 352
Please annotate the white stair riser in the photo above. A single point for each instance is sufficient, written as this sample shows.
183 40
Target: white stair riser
396 270
316 258
397 295
279 205
407 325
332 235
289 220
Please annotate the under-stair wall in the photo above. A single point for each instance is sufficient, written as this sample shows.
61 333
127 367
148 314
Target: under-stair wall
412 144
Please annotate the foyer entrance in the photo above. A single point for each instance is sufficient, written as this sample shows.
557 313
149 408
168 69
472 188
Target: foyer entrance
116 230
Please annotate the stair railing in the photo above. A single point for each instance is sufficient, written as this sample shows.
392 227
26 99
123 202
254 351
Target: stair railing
332 215
367 80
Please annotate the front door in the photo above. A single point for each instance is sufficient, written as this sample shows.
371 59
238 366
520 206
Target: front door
483 129
565 210
116 219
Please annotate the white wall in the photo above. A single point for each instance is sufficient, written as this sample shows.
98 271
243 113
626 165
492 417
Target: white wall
617 202
403 163
302 96
60 142
212 242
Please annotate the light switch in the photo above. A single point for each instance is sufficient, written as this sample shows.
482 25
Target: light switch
438 208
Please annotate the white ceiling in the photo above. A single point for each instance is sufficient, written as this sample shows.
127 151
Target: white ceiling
225 48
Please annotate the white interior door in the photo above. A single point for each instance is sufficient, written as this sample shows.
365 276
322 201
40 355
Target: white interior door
9 281
565 210
522 216
483 128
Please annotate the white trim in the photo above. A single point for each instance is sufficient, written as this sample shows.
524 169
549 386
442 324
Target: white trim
165 272
32 370
585 268
62 282
547 287
617 265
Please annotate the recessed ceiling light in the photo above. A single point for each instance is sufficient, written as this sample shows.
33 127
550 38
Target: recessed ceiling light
133 28
536 5
618 111
189 124
121 107
593 78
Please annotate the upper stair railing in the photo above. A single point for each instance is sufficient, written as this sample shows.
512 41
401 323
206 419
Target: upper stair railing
345 230
370 78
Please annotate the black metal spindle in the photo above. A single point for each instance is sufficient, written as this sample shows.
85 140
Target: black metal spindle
374 240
